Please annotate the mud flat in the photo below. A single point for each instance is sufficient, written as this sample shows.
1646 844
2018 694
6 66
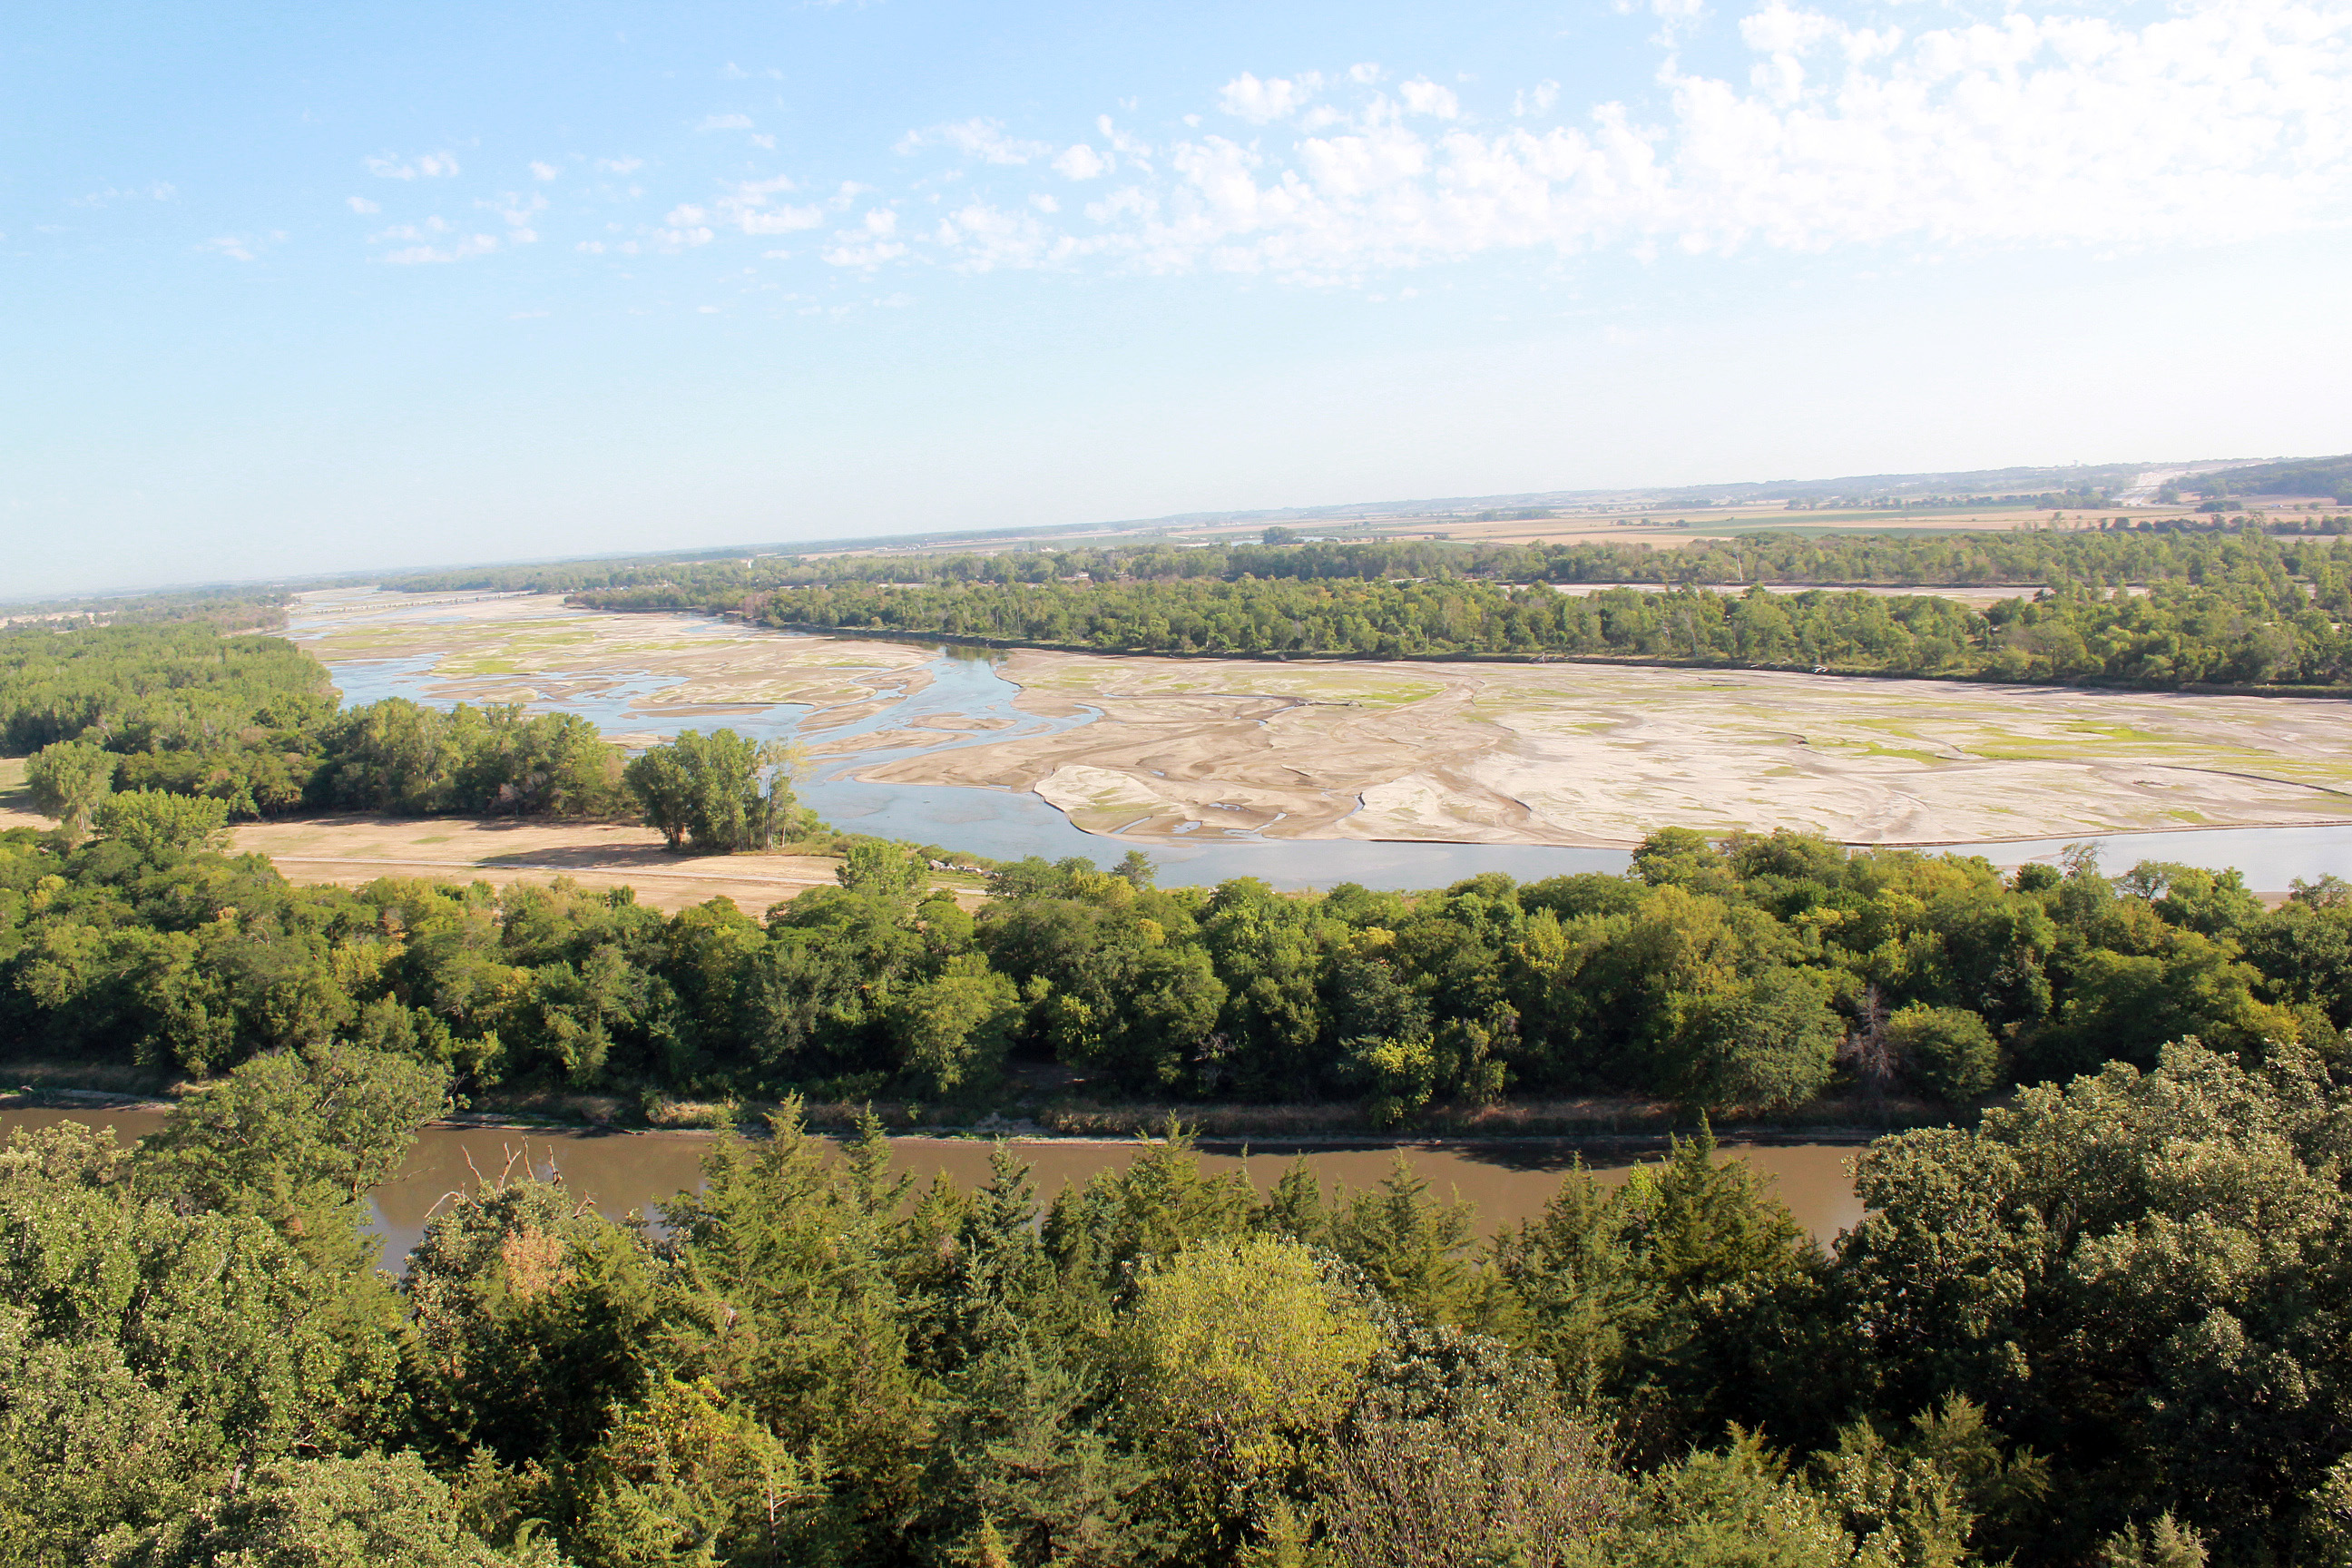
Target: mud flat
1602 754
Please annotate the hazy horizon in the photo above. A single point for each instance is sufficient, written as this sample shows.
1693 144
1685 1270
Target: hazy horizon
308 292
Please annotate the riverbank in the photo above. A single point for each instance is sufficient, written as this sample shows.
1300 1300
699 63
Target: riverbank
1615 1122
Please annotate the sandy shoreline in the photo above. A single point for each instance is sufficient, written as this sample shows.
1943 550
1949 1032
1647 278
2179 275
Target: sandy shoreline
1601 755
1574 754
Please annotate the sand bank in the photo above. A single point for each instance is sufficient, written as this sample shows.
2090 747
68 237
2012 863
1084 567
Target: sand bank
1602 754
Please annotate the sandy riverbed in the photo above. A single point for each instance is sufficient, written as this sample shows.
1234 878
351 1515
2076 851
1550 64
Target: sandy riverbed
354 850
1553 753
532 647
1602 754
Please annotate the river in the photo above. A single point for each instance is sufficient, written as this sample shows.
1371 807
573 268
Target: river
1009 826
620 1171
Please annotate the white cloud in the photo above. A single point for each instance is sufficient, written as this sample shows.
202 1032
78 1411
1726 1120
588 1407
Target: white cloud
750 207
623 165
1262 103
1536 100
544 171
2226 117
982 139
1364 75
855 251
423 167
157 192
461 250
363 205
519 212
243 248
1080 162
767 142
1422 95
725 122
1044 203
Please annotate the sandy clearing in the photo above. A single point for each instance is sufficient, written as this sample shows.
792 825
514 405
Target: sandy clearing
1602 754
355 849
532 647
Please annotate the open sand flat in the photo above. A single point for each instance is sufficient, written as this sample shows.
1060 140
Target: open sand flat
1602 754
356 849
532 647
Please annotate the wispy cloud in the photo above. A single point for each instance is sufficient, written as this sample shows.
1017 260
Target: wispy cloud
362 205
1276 98
423 167
725 122
982 139
157 192
435 241
2032 130
243 246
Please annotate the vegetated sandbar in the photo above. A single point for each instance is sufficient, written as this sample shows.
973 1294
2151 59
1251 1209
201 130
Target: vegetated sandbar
1603 755
1537 753
532 647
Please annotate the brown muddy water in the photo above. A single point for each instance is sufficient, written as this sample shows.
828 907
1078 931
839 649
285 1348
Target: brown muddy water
620 1171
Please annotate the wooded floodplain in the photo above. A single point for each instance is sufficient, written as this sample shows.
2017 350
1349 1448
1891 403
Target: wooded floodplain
2105 1318
2104 1326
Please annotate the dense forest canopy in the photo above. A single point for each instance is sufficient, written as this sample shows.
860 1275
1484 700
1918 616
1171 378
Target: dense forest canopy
1755 972
2104 1326
2109 1322
2260 628
254 722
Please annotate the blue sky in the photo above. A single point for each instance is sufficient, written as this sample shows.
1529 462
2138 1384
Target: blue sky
301 288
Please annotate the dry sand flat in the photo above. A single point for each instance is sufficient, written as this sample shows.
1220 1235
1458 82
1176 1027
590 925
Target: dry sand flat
353 850
532 647
1602 754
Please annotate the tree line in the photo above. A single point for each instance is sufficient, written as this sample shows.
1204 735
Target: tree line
2254 628
2105 1325
252 723
2139 551
1753 972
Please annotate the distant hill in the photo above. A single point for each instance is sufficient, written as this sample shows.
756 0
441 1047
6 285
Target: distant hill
2293 477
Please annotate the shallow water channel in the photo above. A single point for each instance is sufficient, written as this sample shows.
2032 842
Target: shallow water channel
1008 825
619 1172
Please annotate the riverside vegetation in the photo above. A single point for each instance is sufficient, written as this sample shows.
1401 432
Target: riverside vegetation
2106 1326
2241 608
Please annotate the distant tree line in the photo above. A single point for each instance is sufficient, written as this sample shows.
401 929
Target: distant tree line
2257 627
2136 551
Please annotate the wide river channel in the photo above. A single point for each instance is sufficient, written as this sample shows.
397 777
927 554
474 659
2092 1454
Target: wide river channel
620 1171
1008 825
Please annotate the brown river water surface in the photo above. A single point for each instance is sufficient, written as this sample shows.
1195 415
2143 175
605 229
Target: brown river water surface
620 1171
